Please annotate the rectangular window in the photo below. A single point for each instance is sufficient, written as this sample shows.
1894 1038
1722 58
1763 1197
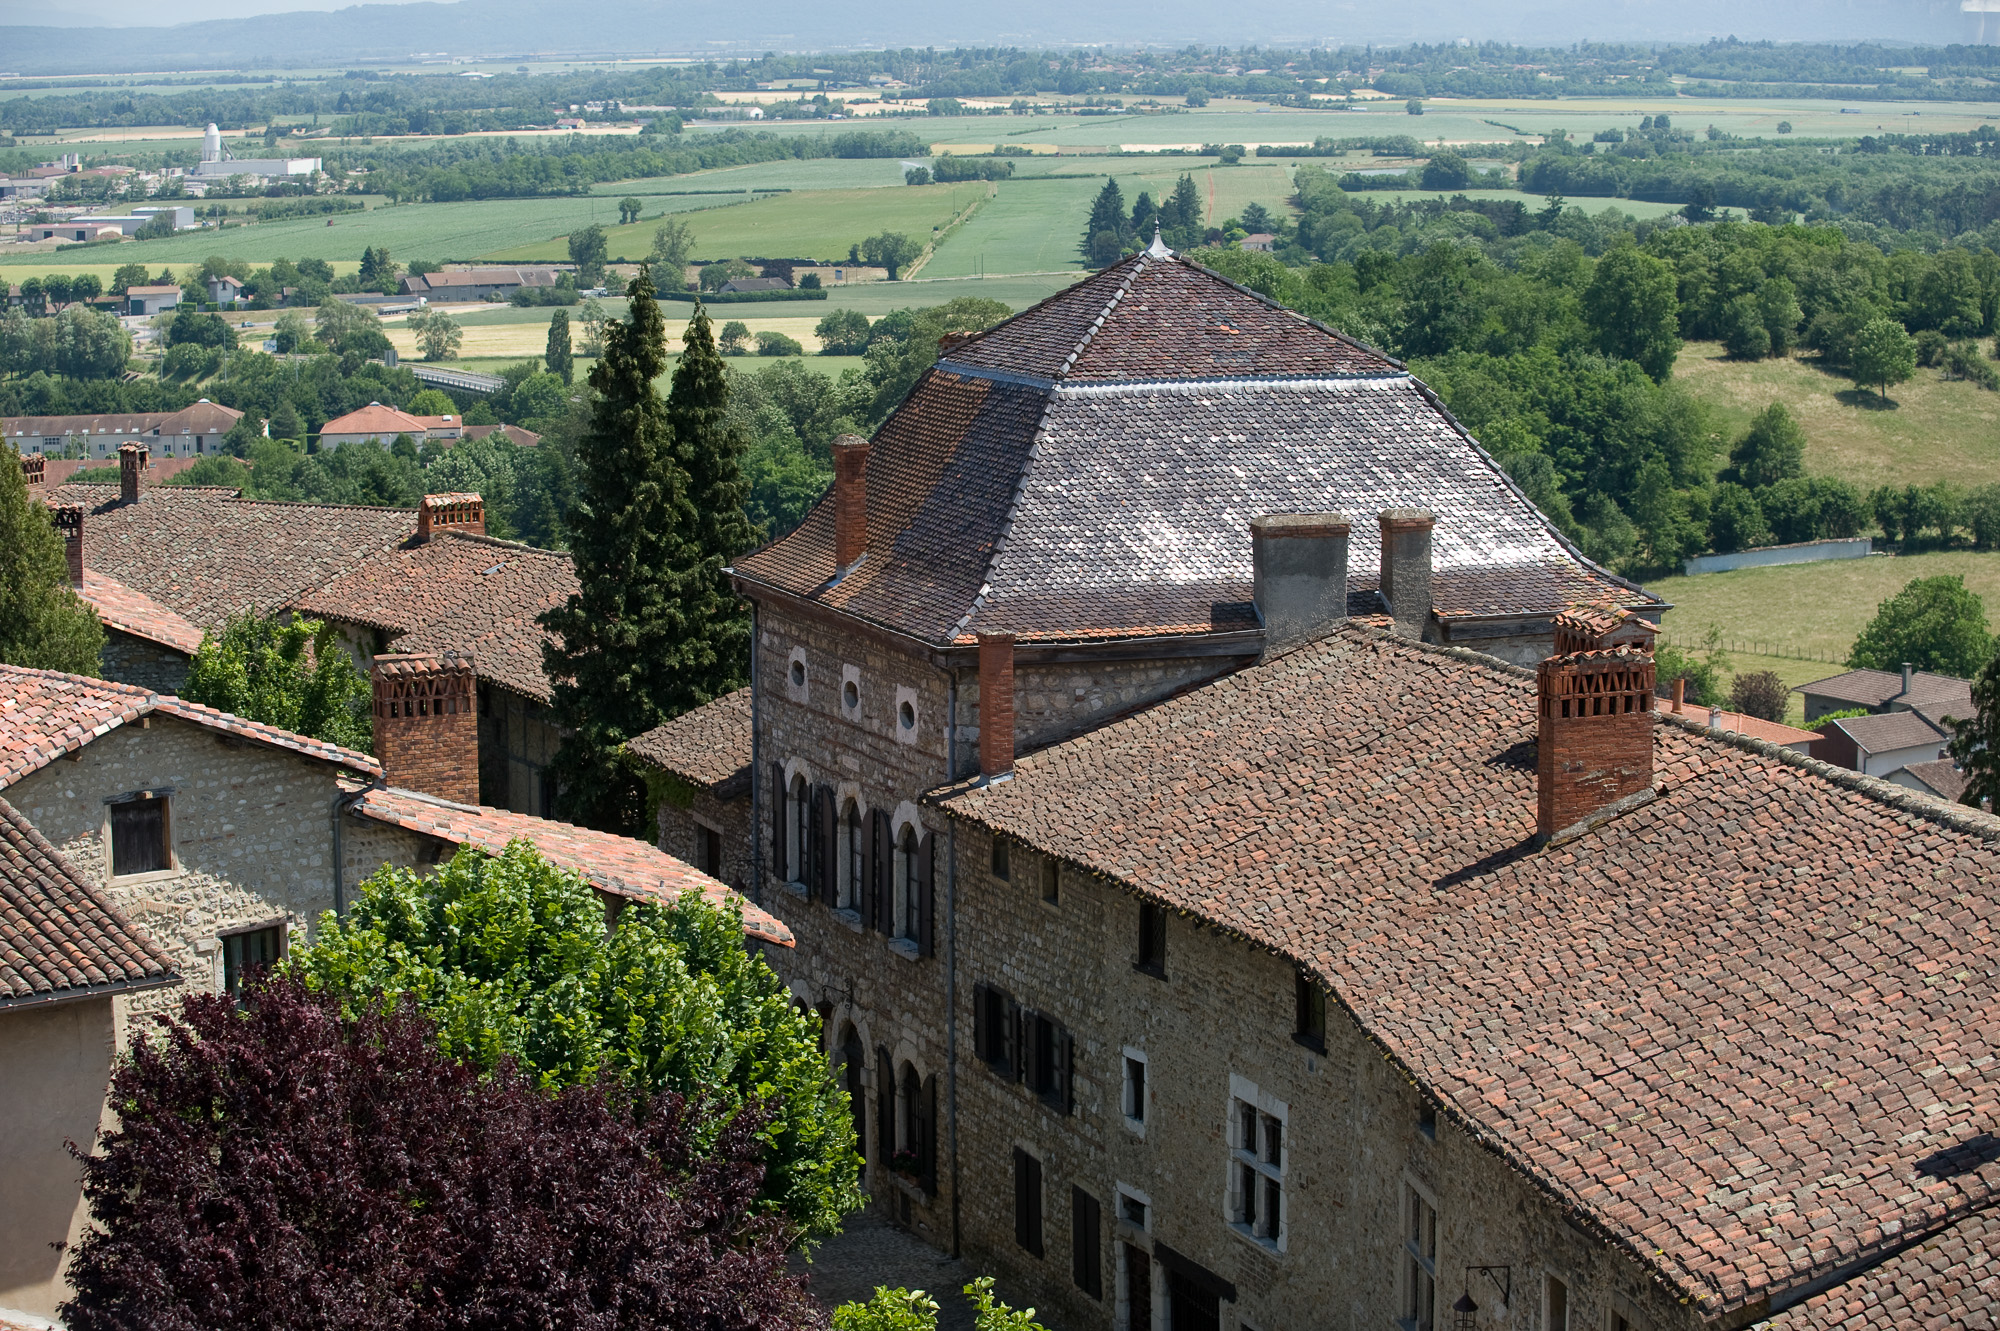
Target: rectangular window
710 842
1086 1243
139 836
1042 1055
1131 1208
1152 956
1256 1203
1135 1088
246 953
1027 1201
1420 1244
1051 880
1000 869
1138 1288
1558 1306
1310 1001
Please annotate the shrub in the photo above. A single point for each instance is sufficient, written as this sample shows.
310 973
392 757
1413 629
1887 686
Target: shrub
261 669
281 1164
777 344
1736 520
1760 693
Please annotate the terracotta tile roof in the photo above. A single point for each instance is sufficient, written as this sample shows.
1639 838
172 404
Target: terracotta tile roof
57 471
203 417
1890 730
1742 723
1873 688
45 714
457 593
1942 776
514 433
709 746
1124 511
378 419
1731 1031
59 936
616 864
138 614
1951 1279
205 554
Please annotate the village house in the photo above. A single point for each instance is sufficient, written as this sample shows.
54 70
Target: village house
193 431
380 425
472 284
1245 881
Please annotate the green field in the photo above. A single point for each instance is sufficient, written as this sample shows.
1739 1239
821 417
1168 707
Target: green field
822 224
1930 429
812 173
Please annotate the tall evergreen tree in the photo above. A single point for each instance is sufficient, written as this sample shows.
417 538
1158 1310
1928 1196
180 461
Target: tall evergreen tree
42 622
618 634
1180 215
1104 236
558 357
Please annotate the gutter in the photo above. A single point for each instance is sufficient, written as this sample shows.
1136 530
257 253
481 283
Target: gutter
341 804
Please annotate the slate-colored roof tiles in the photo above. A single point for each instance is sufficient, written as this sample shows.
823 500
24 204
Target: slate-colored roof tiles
617 864
457 593
1747 1030
1109 495
59 936
1873 688
1890 730
206 554
709 746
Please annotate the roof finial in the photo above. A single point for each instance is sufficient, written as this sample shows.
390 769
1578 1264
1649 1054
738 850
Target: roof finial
1158 249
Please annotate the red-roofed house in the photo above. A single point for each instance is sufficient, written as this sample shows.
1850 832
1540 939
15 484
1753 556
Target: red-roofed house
380 425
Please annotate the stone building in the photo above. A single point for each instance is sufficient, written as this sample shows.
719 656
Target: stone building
1318 963
193 431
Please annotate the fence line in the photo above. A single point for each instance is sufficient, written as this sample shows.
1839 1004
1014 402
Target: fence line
1755 648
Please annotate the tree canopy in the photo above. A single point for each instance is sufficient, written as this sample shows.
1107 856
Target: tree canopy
1934 624
286 672
43 623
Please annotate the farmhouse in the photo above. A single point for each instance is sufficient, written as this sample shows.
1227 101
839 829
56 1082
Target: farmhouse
380 425
469 284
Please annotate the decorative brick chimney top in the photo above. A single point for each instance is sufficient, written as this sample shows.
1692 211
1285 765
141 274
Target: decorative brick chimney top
132 460
1298 563
464 513
426 724
950 340
1590 628
33 467
850 500
68 519
1406 567
996 704
1594 744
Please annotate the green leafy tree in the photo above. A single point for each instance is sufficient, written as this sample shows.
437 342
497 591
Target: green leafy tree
891 250
588 250
438 334
431 402
558 357
43 623
1934 624
889 1310
1446 170
917 175
1778 308
673 244
734 337
285 421
714 653
715 276
129 275
1633 312
628 210
378 270
1772 450
1975 740
245 435
1180 215
90 344
291 674
771 343
510 957
1105 235
1736 520
842 333
1760 693
1883 355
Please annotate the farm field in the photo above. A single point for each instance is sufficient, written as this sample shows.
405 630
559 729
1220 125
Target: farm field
815 173
821 224
1930 430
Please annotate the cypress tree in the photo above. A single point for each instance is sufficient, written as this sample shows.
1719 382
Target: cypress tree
42 622
1104 236
620 633
1180 215
558 357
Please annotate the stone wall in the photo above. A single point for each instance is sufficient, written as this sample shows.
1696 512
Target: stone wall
250 827
1218 1030
685 833
367 844
130 660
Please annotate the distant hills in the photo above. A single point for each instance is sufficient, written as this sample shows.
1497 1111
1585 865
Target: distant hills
503 28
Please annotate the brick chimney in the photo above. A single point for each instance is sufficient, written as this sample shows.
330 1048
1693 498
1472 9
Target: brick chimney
32 468
951 340
850 500
463 513
1594 744
68 519
1406 567
1299 563
132 459
426 726
996 704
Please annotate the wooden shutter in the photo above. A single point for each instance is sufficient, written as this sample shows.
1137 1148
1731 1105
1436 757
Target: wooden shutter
1065 1096
139 836
885 1106
926 911
927 1124
1014 1032
864 891
885 875
982 1025
778 821
829 848
1027 1201
1086 1242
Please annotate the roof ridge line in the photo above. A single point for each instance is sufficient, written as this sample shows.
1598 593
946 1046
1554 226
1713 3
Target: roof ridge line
1097 324
1228 382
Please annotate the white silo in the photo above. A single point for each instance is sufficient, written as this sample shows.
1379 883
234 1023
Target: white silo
211 144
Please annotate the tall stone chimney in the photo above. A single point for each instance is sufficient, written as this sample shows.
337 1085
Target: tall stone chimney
850 500
1299 562
463 513
68 519
426 724
1594 742
132 459
1406 567
33 469
996 704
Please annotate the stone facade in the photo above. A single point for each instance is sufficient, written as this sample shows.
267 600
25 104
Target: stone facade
249 826
133 660
710 832
518 740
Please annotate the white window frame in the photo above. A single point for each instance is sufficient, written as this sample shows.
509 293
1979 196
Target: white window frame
798 812
1269 1233
1122 1191
846 849
902 859
1125 1104
850 675
907 697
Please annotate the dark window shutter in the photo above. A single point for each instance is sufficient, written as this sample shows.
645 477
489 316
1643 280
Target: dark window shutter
982 1025
885 875
1086 1240
864 891
778 820
885 1106
139 836
928 1124
1016 1055
829 848
1065 1098
1023 1228
926 909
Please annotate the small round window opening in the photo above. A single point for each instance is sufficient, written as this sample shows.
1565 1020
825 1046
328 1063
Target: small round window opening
906 716
798 674
850 695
